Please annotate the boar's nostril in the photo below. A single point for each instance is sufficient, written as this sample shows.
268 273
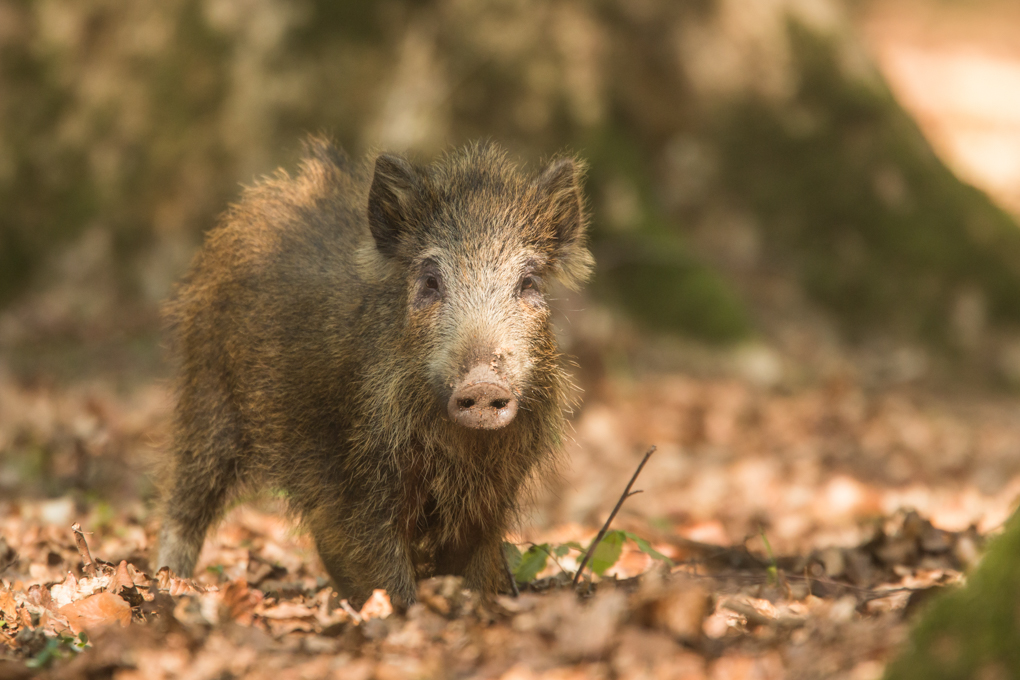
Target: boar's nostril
482 401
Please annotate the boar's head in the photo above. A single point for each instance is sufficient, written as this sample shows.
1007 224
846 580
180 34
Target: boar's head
477 244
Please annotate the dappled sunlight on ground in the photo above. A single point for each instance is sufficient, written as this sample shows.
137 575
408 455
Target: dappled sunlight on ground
801 524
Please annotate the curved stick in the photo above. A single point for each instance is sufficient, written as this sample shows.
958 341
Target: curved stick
605 527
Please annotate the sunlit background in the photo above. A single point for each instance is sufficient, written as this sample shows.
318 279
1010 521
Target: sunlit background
956 68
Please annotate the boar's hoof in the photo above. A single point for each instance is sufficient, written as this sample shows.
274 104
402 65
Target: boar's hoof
482 401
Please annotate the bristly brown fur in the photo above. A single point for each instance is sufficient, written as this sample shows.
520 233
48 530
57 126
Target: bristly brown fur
307 362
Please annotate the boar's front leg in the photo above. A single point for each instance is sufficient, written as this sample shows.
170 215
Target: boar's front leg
362 550
478 557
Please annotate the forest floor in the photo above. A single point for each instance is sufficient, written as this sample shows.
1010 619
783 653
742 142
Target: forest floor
804 526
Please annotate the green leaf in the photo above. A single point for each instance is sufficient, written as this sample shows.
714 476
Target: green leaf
646 547
608 551
50 652
513 556
561 550
532 562
773 571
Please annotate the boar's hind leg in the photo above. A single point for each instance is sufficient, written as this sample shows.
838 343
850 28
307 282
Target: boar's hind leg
361 556
206 451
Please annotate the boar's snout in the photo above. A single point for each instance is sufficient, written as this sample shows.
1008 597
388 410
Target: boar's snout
482 401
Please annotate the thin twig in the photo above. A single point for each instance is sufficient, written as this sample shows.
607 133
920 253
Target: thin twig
549 555
351 611
83 550
612 515
510 577
756 618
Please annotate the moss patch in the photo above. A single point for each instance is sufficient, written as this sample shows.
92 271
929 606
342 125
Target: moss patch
971 632
664 288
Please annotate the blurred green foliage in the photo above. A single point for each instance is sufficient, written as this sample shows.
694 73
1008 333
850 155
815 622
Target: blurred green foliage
648 270
45 192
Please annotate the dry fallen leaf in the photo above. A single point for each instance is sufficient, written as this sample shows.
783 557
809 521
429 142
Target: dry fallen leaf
288 610
121 579
378 606
8 606
681 611
72 589
101 609
587 631
175 585
240 602
768 666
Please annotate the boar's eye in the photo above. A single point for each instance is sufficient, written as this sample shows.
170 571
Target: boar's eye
531 286
430 286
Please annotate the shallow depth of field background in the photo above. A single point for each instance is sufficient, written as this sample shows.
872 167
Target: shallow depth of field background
785 194
805 217
795 176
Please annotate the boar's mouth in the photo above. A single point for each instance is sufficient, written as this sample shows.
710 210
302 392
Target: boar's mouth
482 400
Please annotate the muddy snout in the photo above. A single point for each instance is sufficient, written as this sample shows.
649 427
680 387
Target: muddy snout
482 401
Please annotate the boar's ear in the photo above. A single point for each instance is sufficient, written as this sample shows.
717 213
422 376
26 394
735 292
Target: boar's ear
559 189
391 201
